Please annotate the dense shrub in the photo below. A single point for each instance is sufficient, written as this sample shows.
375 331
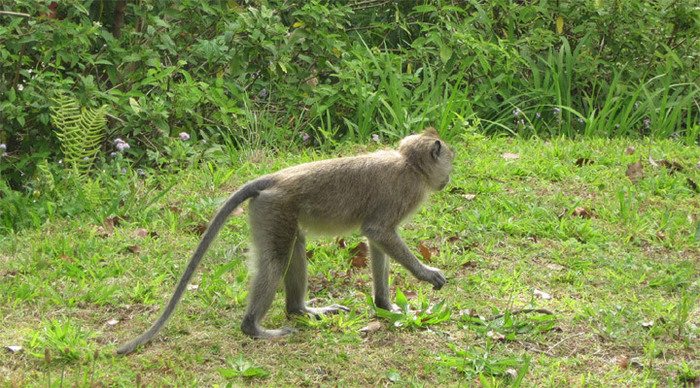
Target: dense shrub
274 73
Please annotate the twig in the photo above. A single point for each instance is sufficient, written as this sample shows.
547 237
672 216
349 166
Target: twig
521 311
26 15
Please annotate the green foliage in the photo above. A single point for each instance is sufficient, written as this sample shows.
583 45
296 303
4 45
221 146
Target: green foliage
62 341
239 367
80 132
422 318
484 363
281 74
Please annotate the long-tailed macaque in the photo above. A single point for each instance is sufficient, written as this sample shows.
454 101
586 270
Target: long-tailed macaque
373 192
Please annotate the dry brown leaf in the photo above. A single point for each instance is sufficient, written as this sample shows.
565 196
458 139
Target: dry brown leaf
107 227
140 232
672 166
510 156
647 324
309 254
635 172
427 252
410 294
135 249
359 255
469 197
554 266
652 162
629 150
371 327
622 361
199 228
496 336
112 322
341 243
14 348
584 162
237 211
454 239
582 212
541 294
192 287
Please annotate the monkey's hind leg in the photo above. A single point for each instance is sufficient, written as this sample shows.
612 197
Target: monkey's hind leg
272 247
295 283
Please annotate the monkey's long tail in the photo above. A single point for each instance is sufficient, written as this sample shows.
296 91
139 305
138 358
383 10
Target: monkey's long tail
250 189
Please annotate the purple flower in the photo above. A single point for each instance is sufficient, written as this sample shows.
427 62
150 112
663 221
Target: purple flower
112 154
184 136
375 138
123 146
517 112
305 137
117 141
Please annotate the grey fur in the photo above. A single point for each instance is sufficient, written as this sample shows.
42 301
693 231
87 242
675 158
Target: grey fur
373 192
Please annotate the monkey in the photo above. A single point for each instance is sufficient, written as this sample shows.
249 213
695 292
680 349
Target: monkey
374 193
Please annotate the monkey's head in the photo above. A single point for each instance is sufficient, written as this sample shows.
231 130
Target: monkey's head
432 156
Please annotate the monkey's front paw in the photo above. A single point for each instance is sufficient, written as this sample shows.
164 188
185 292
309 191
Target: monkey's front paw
435 277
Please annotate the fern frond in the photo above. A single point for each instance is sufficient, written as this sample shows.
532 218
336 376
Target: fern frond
79 130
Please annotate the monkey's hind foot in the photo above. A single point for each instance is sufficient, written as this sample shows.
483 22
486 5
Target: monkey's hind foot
252 329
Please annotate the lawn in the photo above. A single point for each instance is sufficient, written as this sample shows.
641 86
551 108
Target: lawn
565 266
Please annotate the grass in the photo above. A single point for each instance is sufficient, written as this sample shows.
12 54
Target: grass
615 265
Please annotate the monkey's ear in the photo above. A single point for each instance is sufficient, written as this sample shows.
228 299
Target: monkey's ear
430 131
436 149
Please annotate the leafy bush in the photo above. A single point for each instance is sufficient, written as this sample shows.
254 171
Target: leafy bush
254 74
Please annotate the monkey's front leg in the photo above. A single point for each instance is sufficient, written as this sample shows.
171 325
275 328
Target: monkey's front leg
391 243
380 278
295 284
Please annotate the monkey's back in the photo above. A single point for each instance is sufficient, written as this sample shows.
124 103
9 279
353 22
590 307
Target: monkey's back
335 195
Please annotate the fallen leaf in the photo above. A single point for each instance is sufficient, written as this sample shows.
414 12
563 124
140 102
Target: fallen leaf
360 253
199 228
495 335
672 166
371 327
622 361
647 324
456 190
140 232
453 239
14 348
635 172
652 162
541 294
410 294
629 150
237 211
554 266
309 254
112 322
660 235
562 213
512 373
510 156
425 252
469 197
192 287
583 162
107 227
135 249
581 212
341 243
469 264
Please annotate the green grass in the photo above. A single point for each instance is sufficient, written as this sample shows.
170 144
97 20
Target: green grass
622 276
